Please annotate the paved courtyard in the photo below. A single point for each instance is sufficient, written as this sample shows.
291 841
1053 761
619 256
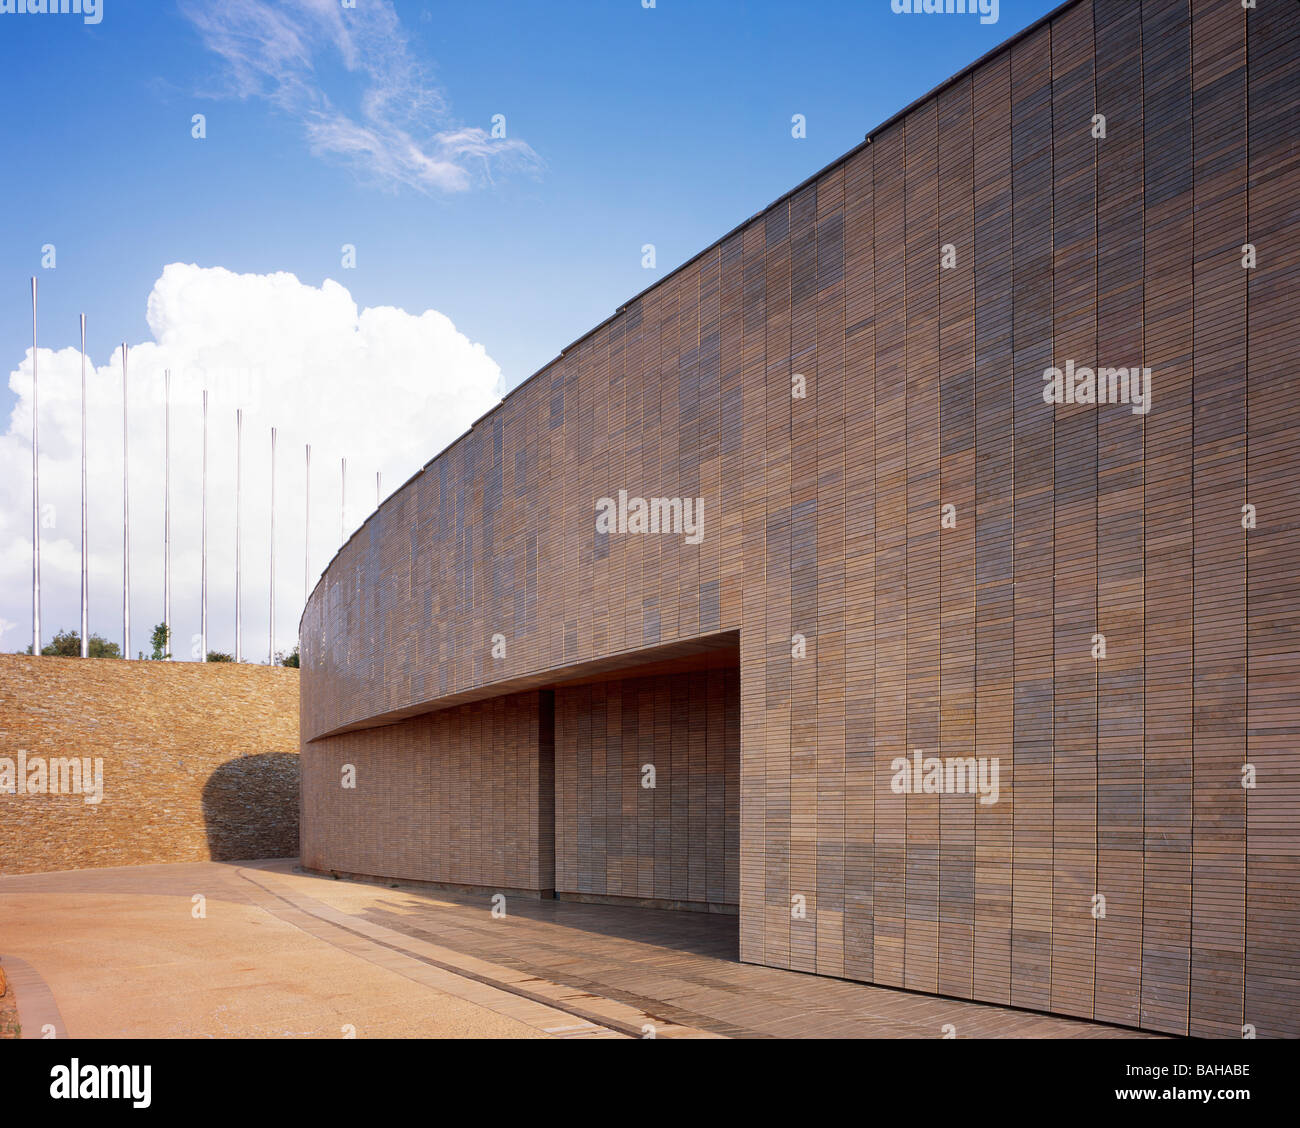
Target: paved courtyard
258 949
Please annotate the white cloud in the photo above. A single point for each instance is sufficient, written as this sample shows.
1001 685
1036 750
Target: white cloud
382 387
400 131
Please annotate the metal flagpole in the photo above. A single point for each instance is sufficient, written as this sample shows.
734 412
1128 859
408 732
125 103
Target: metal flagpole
85 574
126 525
36 494
239 471
378 479
343 496
167 513
306 533
203 582
270 649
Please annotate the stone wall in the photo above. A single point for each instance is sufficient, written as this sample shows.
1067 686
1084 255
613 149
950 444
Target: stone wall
199 761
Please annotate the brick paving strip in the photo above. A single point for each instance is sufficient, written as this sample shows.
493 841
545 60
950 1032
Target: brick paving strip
627 966
37 1009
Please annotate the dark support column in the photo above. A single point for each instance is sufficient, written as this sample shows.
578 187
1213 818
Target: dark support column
546 792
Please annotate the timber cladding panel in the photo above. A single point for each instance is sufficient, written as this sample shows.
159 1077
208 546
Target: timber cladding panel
828 386
199 762
675 842
459 797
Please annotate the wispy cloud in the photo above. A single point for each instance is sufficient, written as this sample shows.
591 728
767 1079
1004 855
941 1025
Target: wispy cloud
399 132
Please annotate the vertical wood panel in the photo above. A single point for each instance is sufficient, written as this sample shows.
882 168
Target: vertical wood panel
1031 185
995 524
754 628
803 566
1120 524
1118 776
1273 547
1168 343
780 624
859 565
921 414
1074 537
957 398
1219 549
829 795
889 872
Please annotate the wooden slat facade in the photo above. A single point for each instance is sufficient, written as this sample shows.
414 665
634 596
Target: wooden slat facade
1125 873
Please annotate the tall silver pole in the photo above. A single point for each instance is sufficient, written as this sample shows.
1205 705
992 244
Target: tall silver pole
85 573
203 581
167 512
239 472
378 493
306 533
343 501
270 650
36 495
126 525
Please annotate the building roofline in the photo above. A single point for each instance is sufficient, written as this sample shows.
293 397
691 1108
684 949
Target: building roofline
843 158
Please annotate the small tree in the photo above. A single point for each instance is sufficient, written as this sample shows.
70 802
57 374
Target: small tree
102 648
220 656
160 638
290 659
67 644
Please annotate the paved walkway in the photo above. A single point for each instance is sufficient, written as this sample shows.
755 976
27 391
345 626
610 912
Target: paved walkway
120 953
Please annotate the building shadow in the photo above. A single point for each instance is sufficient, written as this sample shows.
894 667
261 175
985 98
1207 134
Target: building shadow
250 808
563 925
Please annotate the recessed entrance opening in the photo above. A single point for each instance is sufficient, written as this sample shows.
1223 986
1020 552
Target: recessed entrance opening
645 764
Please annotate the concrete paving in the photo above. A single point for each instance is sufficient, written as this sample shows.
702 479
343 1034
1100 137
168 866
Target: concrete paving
260 949
119 953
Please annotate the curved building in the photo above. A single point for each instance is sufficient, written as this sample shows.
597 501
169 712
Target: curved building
912 573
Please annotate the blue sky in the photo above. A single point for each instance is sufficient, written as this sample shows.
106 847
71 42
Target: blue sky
667 125
478 258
